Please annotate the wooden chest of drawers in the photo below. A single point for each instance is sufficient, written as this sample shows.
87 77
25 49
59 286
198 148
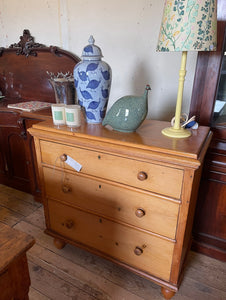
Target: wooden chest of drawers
133 200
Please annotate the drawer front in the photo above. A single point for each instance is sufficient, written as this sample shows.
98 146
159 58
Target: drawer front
113 201
152 177
138 249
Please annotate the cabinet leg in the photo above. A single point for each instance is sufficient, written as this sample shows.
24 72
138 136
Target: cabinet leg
168 294
59 244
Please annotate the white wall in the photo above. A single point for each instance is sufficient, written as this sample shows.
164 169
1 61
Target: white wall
126 31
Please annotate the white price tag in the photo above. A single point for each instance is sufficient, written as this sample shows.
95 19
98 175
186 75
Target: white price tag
73 163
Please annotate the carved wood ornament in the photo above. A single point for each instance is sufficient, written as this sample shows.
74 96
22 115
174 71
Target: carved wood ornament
26 45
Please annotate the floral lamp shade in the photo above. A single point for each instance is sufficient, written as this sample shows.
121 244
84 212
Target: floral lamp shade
188 25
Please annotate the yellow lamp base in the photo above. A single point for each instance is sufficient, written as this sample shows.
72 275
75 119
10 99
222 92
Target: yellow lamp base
176 133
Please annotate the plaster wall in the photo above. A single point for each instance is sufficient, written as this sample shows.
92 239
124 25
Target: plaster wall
126 31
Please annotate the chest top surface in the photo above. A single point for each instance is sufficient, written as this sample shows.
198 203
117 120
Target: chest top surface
148 137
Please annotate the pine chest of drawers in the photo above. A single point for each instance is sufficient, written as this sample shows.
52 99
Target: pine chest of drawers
133 200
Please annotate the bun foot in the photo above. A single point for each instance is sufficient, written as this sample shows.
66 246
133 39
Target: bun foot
168 294
59 244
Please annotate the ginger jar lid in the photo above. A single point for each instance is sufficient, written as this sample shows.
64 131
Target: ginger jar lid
92 51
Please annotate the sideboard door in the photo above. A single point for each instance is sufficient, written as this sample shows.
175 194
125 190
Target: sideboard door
13 159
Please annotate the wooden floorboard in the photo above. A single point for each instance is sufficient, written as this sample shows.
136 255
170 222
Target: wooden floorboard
75 274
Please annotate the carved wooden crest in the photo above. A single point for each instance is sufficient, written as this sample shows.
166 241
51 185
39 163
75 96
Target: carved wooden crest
26 45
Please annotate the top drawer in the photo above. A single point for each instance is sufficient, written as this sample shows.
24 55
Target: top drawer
148 176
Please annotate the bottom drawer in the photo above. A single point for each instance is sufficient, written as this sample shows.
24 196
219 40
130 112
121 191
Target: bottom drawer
136 248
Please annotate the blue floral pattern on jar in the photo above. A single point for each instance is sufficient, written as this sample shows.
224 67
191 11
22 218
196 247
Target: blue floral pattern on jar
92 78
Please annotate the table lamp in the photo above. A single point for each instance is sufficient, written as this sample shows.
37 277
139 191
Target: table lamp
187 25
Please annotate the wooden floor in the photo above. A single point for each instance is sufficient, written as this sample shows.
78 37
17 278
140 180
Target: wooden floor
75 274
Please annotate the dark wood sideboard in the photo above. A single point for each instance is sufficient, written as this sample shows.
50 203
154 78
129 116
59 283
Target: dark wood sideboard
23 77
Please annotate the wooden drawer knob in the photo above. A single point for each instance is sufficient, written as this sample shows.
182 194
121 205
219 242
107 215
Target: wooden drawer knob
63 157
138 251
69 224
142 176
140 212
66 189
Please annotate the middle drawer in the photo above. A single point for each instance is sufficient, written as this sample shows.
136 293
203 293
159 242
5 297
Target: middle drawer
152 177
114 201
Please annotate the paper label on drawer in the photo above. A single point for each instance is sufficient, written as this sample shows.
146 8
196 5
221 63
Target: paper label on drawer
73 163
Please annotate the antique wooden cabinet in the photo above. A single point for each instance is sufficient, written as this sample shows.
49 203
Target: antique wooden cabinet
208 105
23 77
133 199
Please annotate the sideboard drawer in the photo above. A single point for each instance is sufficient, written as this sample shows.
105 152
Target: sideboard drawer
144 175
131 206
139 249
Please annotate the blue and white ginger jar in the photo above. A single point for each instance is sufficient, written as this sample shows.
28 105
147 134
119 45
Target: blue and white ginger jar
92 78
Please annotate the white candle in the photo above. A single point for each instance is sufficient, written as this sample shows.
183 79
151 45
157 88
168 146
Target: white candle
73 115
58 114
